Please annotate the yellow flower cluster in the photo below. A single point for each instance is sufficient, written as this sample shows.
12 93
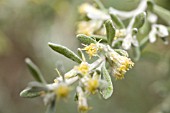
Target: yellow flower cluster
88 27
95 23
91 50
121 65
83 68
62 91
92 85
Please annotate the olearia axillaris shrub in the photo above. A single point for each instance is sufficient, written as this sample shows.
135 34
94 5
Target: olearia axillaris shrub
105 39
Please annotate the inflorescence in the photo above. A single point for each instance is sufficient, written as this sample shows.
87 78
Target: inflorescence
105 40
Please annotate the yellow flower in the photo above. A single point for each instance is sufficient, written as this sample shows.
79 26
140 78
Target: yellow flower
119 76
127 64
92 85
56 81
121 65
91 50
82 101
84 28
84 8
120 33
62 91
83 68
88 27
83 109
72 73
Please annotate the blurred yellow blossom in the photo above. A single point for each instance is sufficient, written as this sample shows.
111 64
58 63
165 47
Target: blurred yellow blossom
92 85
62 91
83 68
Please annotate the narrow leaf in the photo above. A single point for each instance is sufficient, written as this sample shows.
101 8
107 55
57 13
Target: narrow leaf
122 52
100 4
80 53
107 92
52 107
85 39
110 30
139 20
29 93
137 53
65 51
144 42
34 89
99 38
163 13
35 71
119 24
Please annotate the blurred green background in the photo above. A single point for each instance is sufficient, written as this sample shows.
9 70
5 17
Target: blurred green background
25 28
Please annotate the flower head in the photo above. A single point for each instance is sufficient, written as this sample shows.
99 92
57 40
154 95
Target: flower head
123 67
83 68
92 85
88 27
121 64
158 30
91 50
120 33
62 91
82 101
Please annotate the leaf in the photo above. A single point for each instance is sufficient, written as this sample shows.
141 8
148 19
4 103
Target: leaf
29 93
107 92
117 21
139 20
137 53
110 31
65 51
34 89
100 4
52 107
144 42
85 39
35 71
163 13
122 52
80 53
99 38
150 4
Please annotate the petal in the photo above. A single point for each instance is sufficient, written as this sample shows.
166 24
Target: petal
162 30
152 18
152 35
127 42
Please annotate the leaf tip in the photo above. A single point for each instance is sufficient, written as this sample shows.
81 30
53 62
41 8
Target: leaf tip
50 44
27 60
